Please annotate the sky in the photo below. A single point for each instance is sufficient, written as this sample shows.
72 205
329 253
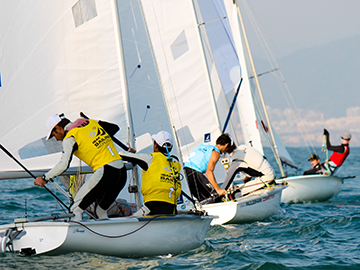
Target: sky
298 24
290 26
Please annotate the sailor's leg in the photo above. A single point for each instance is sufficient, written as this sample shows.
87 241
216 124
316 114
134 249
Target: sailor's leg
81 200
101 213
77 211
115 180
230 175
267 179
199 185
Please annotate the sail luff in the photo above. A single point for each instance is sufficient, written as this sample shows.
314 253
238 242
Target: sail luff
245 102
183 71
203 38
277 156
220 102
130 127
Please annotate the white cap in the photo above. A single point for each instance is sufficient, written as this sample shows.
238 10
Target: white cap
162 137
52 122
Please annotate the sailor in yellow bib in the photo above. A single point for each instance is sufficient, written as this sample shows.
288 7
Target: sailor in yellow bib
95 146
161 185
91 142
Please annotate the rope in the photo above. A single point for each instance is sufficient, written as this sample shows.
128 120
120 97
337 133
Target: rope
173 175
116 236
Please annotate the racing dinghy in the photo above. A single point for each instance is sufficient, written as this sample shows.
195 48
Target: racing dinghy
302 188
256 206
122 236
311 188
200 105
78 56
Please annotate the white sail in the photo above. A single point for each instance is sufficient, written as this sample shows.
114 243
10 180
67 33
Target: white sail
57 56
182 46
71 61
177 47
309 188
249 123
283 152
71 57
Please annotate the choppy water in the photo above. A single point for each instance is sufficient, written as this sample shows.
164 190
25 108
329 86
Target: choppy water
299 236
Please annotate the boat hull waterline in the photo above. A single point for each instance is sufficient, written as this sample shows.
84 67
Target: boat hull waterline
254 207
311 188
140 237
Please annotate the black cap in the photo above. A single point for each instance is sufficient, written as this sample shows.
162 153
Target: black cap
313 157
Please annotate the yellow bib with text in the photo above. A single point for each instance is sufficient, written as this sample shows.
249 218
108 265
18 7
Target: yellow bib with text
95 146
158 181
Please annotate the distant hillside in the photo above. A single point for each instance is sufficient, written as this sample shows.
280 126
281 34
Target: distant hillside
324 79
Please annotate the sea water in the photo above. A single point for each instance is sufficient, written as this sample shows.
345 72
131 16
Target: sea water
299 236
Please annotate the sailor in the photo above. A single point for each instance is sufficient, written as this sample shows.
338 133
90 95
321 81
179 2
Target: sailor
161 184
91 142
202 161
317 167
340 153
252 163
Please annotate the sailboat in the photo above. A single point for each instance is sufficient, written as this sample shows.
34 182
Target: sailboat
309 188
196 98
71 56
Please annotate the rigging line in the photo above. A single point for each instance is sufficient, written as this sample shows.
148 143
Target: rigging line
223 20
216 20
117 236
160 120
152 88
263 42
173 174
33 176
205 44
268 50
226 29
299 121
232 106
171 86
185 175
266 72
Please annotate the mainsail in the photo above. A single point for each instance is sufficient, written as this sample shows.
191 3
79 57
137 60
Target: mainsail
71 57
229 59
57 57
238 31
178 50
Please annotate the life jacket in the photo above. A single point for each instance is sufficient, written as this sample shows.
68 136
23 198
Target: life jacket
338 158
95 146
158 181
200 157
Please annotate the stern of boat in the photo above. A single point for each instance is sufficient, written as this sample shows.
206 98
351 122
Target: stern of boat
311 188
250 208
30 238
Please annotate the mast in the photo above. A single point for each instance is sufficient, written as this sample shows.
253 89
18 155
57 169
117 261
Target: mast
277 156
128 108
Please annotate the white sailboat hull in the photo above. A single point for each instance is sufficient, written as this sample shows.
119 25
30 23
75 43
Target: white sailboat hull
311 188
254 207
146 236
